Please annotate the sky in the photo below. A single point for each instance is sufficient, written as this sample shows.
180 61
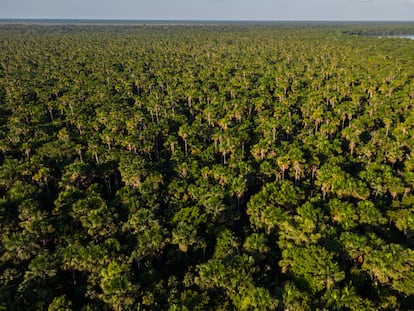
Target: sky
211 9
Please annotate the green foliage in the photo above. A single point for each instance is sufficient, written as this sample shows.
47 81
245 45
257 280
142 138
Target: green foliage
117 289
219 167
392 265
313 267
60 303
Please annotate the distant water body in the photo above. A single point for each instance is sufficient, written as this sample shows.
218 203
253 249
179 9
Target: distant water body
399 36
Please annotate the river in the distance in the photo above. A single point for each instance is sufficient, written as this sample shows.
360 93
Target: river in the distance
399 36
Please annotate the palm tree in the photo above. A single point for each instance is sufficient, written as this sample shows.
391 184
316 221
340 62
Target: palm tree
183 132
283 162
238 187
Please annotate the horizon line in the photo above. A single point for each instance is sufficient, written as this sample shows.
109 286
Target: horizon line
197 19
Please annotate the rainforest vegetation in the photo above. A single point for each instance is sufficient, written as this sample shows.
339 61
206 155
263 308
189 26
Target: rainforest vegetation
215 167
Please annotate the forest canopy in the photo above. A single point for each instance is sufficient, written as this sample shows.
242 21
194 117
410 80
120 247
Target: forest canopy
213 167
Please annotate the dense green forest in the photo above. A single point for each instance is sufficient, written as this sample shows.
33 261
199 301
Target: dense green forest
215 167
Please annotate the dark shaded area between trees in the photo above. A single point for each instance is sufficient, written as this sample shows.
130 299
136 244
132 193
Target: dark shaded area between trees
206 168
